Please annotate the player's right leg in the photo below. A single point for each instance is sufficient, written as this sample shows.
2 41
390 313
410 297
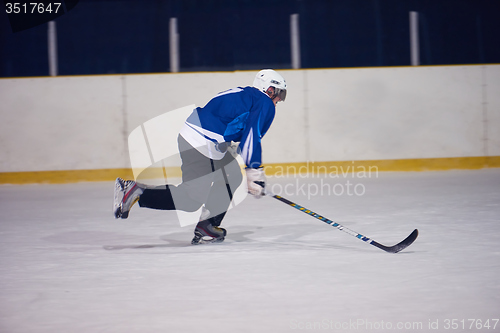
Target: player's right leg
164 197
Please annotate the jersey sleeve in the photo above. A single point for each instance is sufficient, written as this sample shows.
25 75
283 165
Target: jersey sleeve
257 125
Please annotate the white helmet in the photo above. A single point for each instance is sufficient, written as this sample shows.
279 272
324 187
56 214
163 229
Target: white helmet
267 78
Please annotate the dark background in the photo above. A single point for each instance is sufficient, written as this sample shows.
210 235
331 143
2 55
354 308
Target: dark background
104 37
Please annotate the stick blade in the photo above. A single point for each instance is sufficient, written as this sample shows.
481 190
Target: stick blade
400 246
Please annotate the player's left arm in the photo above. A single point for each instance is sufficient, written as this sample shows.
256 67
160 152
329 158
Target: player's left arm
252 152
251 146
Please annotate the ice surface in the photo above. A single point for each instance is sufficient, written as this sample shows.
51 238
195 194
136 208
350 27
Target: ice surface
67 265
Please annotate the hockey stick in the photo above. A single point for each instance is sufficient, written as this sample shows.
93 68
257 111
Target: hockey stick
392 249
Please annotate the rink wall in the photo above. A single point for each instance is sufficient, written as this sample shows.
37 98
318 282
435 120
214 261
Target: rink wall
65 129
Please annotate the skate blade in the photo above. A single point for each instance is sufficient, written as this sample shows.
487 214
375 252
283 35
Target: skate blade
118 213
206 240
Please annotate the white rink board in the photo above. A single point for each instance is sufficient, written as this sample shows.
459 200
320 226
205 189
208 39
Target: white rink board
61 123
68 123
492 109
395 113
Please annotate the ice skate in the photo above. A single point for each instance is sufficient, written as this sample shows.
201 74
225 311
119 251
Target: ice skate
205 233
127 193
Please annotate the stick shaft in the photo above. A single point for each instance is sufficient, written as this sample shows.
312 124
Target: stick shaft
324 219
392 249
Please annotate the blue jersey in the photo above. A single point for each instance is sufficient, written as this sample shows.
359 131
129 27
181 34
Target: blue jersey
241 114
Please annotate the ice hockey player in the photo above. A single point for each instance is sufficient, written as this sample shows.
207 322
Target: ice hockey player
210 173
